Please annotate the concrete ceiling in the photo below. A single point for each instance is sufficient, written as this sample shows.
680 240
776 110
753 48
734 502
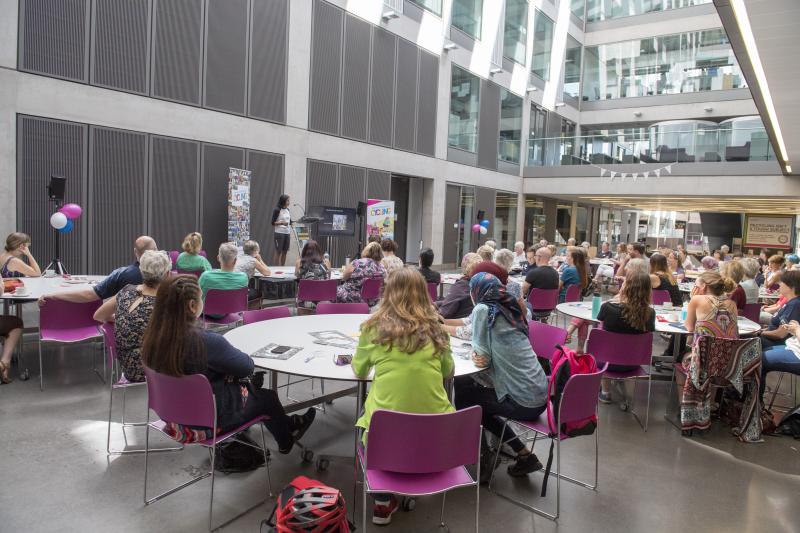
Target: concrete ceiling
775 26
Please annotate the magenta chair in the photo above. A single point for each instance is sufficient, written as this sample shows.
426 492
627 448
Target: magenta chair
230 303
421 454
660 296
433 291
371 289
325 308
189 401
268 313
624 349
195 273
310 290
544 338
173 256
65 322
573 294
542 302
578 402
752 312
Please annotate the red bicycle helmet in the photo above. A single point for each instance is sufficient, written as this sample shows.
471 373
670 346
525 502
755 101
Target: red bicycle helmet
314 509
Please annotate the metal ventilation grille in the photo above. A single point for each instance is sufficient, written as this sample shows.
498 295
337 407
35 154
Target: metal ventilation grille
488 125
266 187
355 80
268 59
405 106
378 184
178 42
226 55
54 37
116 208
121 44
214 217
426 103
326 69
46 147
174 186
352 189
381 108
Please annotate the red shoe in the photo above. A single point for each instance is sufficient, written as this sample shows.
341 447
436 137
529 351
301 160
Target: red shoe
382 512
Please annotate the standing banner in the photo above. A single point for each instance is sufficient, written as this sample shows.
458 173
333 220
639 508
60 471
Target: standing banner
765 231
238 206
380 218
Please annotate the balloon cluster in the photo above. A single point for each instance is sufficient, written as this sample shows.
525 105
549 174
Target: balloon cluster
63 219
481 228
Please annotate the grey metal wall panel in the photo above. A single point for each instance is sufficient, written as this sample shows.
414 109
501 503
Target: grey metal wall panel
54 38
352 189
265 188
452 214
121 44
326 68
116 207
46 147
268 59
488 125
226 55
174 186
378 184
355 78
426 103
405 105
321 183
485 200
178 49
381 108
214 216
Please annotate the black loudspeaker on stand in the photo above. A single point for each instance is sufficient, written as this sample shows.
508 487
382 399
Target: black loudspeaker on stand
55 194
361 212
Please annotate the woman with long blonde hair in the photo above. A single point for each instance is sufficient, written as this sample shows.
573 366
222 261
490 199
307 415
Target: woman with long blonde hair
407 345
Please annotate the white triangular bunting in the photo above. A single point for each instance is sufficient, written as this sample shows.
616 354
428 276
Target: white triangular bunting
646 175
668 168
602 172
635 175
613 175
657 172
623 175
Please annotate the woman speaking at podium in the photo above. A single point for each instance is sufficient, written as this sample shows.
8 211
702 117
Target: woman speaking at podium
281 222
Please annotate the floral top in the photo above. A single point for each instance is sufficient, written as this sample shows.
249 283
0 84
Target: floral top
313 271
350 289
133 314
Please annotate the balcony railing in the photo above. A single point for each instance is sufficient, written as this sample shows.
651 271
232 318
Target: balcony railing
696 146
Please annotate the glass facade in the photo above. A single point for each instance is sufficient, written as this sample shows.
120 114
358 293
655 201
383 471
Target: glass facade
467 16
668 64
572 68
542 45
508 146
516 30
608 9
576 6
464 105
434 6
536 136
505 219
535 220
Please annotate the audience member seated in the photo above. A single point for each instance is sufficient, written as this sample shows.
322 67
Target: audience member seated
717 255
111 284
313 266
540 275
711 313
791 262
390 261
462 327
710 263
605 251
782 358
173 345
190 259
130 310
662 279
530 259
409 349
674 265
632 315
571 242
505 259
17 261
225 278
457 303
248 262
367 267
519 254
575 273
515 386
635 250
775 266
486 252
750 268
11 332
425 262
491 244
735 271
789 288
725 253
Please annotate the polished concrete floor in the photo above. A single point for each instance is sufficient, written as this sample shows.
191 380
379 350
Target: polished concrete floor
56 475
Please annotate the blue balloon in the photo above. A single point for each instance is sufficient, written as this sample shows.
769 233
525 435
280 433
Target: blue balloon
485 223
67 228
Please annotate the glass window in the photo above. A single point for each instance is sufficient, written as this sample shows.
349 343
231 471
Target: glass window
467 16
505 219
467 212
464 102
516 30
576 6
535 220
668 64
536 136
542 45
434 6
572 67
508 145
608 9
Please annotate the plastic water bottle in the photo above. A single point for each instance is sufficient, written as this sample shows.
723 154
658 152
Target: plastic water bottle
684 311
596 302
327 256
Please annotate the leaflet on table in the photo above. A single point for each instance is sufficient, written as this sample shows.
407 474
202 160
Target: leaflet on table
333 338
266 352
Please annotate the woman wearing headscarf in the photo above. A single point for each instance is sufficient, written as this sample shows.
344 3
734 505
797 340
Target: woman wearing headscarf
519 385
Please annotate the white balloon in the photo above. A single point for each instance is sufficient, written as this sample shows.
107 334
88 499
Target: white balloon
483 230
58 220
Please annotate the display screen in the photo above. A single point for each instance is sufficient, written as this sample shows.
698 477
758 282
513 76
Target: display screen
335 221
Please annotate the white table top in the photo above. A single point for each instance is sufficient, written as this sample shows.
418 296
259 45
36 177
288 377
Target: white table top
763 293
601 262
287 273
583 310
38 286
314 360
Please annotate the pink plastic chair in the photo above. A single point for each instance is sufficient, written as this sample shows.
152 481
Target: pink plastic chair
421 454
189 400
203 253
316 291
433 291
173 256
371 289
660 296
195 273
543 302
65 322
231 303
544 338
325 308
752 312
578 402
573 294
268 313
624 349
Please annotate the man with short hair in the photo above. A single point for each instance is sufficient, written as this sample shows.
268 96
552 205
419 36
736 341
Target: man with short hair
636 250
540 276
605 251
114 282
225 278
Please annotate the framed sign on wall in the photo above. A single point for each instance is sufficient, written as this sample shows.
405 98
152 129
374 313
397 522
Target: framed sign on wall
768 231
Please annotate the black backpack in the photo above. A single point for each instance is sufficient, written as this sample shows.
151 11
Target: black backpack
790 424
233 456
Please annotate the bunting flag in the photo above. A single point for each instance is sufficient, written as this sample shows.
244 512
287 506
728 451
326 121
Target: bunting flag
657 172
635 175
603 172
613 175
622 176
668 168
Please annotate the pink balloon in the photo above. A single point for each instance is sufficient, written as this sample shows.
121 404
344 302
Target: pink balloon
72 211
476 228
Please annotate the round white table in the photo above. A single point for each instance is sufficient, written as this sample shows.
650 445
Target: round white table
763 294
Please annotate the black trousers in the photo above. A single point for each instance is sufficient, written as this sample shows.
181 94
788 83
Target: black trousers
264 402
469 393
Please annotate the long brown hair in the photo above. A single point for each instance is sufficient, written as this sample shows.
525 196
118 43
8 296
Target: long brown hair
406 319
635 299
579 260
658 265
170 337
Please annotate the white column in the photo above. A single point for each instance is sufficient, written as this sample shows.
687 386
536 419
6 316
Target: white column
299 71
8 121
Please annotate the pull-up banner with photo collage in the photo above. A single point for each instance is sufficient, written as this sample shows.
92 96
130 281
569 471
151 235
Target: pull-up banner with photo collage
238 206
